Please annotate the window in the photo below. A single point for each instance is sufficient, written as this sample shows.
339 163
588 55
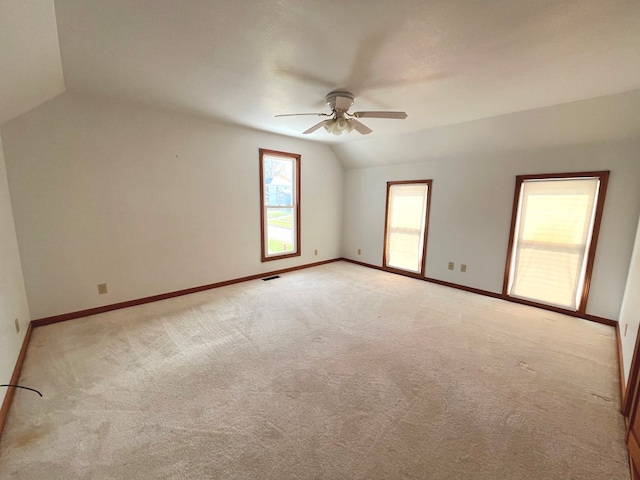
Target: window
554 233
280 204
407 217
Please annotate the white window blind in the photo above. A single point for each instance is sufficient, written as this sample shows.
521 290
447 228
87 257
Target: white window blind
553 232
406 217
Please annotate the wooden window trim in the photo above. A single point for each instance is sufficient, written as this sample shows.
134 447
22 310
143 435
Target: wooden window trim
297 187
429 184
603 176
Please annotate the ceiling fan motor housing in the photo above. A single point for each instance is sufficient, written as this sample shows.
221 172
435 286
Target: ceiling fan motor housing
339 100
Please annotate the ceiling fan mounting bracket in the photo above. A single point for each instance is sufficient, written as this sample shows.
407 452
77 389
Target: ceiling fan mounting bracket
339 100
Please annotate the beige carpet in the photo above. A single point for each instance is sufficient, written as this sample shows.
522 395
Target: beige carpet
334 372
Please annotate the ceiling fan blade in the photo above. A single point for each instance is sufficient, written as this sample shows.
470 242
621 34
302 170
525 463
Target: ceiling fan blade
316 127
360 127
398 115
298 114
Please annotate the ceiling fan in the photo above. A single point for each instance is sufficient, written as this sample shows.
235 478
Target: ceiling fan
339 101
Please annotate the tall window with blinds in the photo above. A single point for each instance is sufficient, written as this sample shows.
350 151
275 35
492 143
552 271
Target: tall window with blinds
406 226
554 234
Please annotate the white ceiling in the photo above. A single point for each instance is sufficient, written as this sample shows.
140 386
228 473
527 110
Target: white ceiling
30 66
244 61
443 62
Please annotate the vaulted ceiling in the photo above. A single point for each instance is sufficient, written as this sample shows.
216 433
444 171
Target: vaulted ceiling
443 62
241 61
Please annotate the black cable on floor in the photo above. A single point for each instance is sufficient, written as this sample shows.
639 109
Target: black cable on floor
20 386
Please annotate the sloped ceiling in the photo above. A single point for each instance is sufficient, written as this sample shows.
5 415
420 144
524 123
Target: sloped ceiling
586 122
443 62
30 64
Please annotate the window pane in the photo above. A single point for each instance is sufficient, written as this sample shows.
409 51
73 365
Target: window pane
406 217
555 220
278 181
280 230
536 281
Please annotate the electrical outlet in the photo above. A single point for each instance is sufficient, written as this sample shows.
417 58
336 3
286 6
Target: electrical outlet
315 252
626 325
17 325
102 288
463 268
451 266
359 251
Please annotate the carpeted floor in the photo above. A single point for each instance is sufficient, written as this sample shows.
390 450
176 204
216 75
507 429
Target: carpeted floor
333 372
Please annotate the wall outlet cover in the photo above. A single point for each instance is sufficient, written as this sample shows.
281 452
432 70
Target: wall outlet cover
451 265
102 288
17 323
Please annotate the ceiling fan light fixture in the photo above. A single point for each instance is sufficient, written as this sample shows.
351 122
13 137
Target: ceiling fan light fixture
342 125
337 126
329 124
349 124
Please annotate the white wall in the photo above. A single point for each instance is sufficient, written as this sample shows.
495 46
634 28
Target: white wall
30 63
471 208
630 311
148 201
13 299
